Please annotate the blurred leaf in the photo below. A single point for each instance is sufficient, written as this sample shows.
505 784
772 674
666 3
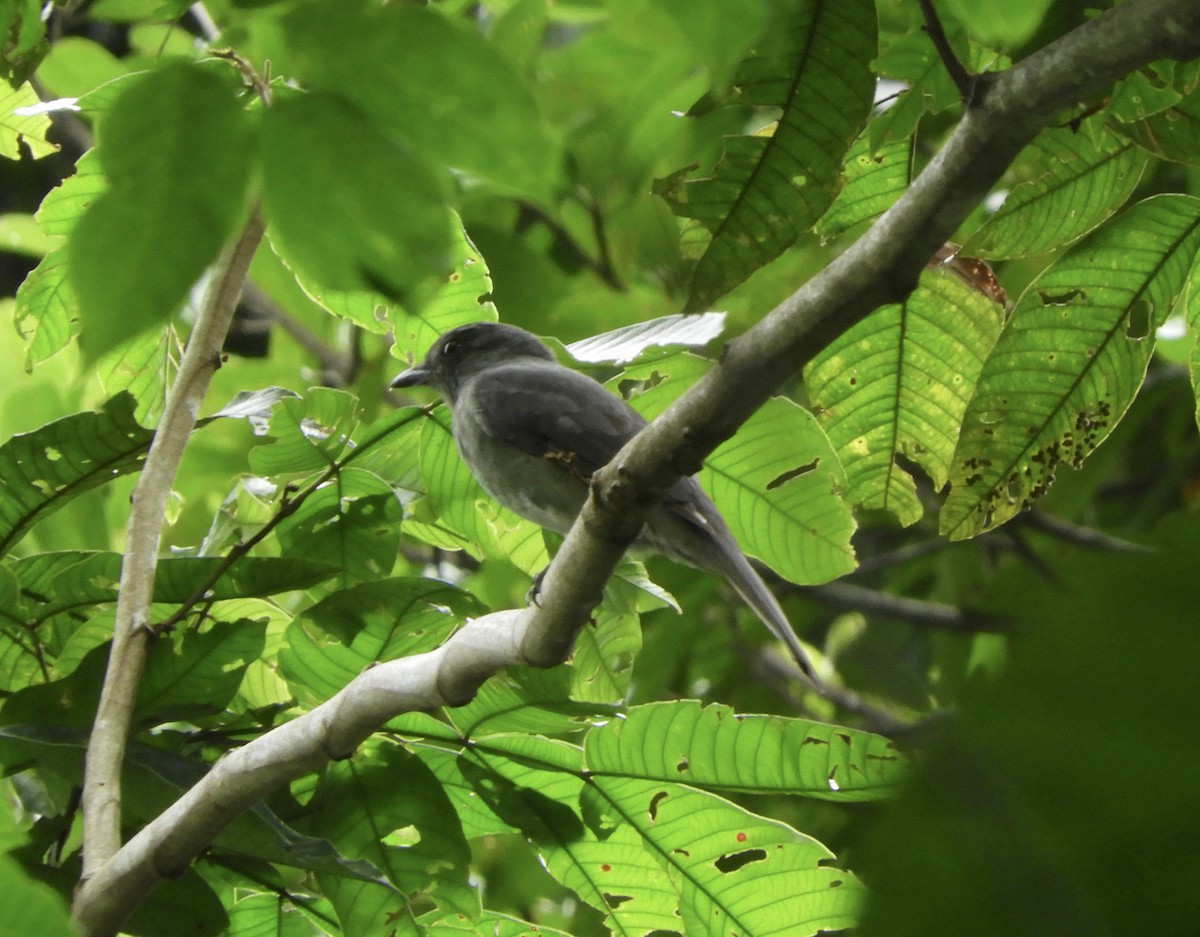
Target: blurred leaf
75 65
717 749
625 344
1048 765
351 206
43 470
446 91
1068 362
769 188
36 908
177 149
911 59
1080 183
1000 23
896 385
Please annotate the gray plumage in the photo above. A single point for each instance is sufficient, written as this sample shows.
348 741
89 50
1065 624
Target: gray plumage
533 432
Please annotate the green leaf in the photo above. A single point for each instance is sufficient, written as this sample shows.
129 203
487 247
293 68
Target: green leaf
352 521
735 872
409 831
199 674
17 129
897 384
782 501
43 470
177 149
1069 362
1173 134
335 640
770 188
350 205
1079 182
47 313
717 749
443 89
525 700
872 182
1000 23
308 434
67 202
912 60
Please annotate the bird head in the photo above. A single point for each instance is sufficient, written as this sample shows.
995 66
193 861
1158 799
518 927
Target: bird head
461 353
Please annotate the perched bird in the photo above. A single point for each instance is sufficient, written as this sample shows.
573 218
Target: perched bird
532 432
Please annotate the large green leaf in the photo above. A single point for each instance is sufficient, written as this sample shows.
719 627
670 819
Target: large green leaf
897 385
1077 182
42 470
350 205
385 806
47 313
177 148
307 433
1069 362
441 88
717 749
770 188
352 521
734 872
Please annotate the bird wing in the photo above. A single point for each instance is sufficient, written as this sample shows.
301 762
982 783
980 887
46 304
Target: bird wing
549 411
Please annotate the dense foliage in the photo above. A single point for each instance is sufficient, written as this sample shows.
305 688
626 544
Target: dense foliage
1000 468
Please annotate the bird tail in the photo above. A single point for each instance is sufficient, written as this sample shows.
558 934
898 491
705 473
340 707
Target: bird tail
754 592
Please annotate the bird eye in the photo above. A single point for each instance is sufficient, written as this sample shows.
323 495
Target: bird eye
449 348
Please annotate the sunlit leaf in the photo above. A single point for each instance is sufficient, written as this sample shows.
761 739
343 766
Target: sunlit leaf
1069 362
714 748
872 182
896 385
22 129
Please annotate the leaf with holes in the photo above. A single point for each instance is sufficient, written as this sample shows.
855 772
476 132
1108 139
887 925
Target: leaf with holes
717 749
872 182
42 470
769 188
735 872
1069 362
897 385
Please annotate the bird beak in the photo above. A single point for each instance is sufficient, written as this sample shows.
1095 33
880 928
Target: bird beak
411 378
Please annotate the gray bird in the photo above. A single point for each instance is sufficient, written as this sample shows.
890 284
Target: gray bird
532 432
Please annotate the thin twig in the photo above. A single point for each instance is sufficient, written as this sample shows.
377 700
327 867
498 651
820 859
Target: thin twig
963 80
1087 537
917 612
